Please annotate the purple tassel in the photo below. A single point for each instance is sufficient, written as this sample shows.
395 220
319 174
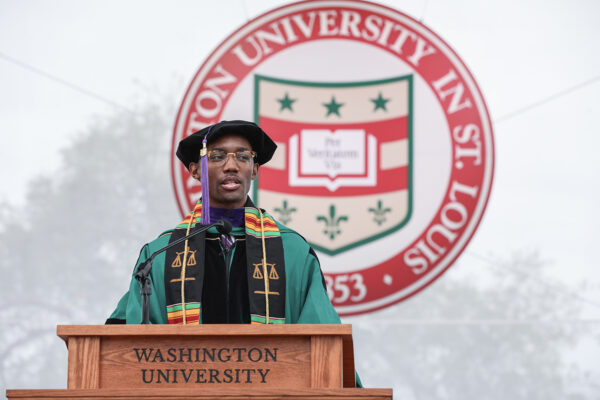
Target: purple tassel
204 182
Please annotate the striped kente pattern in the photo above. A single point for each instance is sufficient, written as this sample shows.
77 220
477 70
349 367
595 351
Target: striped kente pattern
262 320
192 313
253 224
252 220
197 213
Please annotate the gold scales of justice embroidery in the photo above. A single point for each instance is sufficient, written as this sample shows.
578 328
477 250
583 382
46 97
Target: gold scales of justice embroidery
191 261
259 275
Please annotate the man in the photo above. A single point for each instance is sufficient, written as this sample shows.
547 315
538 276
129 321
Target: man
262 272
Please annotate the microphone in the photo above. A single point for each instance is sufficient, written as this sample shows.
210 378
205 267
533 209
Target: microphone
225 228
143 272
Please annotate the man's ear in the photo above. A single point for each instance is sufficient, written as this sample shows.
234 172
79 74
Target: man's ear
255 170
195 170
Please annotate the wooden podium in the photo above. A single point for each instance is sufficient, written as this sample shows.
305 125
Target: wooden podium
208 362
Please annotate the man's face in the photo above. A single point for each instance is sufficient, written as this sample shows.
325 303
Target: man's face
229 183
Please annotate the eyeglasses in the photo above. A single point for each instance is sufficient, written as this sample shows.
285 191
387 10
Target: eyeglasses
220 156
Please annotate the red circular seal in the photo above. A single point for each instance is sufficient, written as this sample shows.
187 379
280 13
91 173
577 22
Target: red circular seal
385 148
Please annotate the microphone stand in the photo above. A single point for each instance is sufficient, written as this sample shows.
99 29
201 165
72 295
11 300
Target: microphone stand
143 271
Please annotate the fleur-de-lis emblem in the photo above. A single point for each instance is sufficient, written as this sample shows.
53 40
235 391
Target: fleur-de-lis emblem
285 212
379 212
332 223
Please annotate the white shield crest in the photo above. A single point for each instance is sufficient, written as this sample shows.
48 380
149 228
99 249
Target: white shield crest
342 174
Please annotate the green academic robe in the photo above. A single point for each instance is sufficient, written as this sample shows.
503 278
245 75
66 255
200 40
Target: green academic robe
306 300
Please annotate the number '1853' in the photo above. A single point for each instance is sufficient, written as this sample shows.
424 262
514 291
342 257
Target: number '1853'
342 288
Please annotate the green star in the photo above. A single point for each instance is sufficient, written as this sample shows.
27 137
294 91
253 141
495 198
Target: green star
333 107
286 102
380 103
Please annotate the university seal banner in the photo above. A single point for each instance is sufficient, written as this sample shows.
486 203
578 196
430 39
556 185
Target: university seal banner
385 148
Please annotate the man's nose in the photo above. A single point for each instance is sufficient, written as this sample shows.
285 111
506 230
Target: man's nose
231 163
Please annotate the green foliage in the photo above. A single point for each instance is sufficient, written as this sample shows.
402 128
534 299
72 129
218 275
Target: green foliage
68 253
462 339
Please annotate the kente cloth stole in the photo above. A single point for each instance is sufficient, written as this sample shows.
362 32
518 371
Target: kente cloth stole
184 269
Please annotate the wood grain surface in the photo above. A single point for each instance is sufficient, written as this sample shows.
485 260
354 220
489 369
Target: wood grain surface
255 356
84 362
326 362
205 394
270 361
65 331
